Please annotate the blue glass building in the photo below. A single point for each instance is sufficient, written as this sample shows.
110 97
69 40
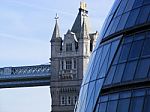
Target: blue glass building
118 75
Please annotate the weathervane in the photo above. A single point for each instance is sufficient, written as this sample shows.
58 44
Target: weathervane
56 18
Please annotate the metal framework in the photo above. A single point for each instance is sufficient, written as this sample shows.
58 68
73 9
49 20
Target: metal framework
25 76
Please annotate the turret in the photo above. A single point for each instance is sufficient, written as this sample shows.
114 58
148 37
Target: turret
56 40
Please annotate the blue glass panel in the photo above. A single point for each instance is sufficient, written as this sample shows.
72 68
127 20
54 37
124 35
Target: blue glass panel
121 7
125 94
128 39
89 69
129 5
109 28
123 105
132 18
117 55
146 48
148 34
139 36
142 69
110 75
112 106
98 86
123 21
90 102
90 92
116 22
134 53
119 73
147 104
146 2
137 3
114 96
115 5
124 52
129 71
104 98
114 46
143 15
96 64
136 104
139 92
102 107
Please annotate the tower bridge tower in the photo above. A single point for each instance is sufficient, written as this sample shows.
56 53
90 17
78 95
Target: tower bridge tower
69 59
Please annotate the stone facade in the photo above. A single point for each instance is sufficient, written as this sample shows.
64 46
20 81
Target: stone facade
69 59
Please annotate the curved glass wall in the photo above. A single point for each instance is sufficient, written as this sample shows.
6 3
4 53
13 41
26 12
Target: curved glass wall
118 75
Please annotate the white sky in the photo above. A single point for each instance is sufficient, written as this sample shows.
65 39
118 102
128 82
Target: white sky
26 27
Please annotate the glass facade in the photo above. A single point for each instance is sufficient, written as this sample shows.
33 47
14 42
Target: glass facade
118 75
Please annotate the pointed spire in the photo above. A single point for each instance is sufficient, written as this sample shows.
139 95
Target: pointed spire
84 29
76 28
56 33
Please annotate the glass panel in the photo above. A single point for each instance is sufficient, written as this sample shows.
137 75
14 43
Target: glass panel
137 3
142 69
104 98
147 104
139 36
146 48
121 7
125 94
132 18
128 39
112 106
125 52
117 55
136 104
129 71
98 86
135 49
129 5
114 96
110 75
115 25
109 28
95 67
123 21
123 105
119 73
144 13
146 2
102 107
139 92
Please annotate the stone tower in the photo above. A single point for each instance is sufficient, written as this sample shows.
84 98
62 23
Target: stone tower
69 59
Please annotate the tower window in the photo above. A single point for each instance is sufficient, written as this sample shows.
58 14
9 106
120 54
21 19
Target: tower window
62 100
68 100
75 64
68 47
68 64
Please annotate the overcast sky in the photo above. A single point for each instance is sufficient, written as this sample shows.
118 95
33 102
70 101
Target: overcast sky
26 27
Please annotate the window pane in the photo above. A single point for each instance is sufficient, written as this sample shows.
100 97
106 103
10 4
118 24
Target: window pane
119 73
115 24
125 52
121 7
110 75
136 104
146 49
144 13
102 107
147 104
112 106
129 71
142 69
122 21
146 2
132 18
137 3
135 49
123 105
117 55
129 5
